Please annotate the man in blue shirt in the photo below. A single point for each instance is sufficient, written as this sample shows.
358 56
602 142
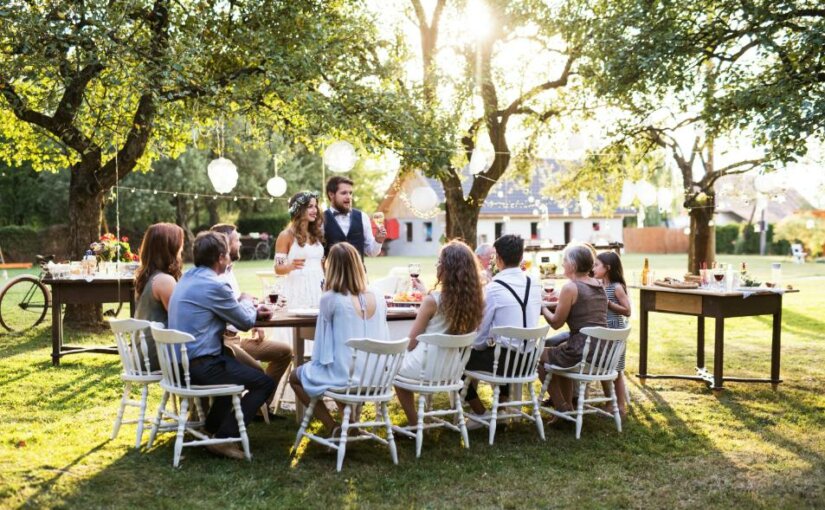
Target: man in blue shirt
202 305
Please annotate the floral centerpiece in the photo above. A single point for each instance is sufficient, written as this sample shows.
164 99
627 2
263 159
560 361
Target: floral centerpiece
106 249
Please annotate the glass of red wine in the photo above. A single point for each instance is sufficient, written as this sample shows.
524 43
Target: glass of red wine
414 270
719 275
274 297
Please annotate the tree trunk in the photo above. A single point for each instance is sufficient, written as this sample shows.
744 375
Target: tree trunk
462 221
182 219
702 237
85 206
214 217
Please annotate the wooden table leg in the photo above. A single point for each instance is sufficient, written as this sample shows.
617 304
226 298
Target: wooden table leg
643 343
297 360
57 328
776 342
700 342
719 356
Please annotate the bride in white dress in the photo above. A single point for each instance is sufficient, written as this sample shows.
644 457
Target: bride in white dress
299 252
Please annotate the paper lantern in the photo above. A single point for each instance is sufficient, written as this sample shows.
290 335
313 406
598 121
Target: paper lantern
665 198
423 198
223 174
276 186
628 194
810 224
646 193
340 157
479 162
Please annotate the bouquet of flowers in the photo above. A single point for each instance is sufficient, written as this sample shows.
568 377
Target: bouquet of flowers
106 249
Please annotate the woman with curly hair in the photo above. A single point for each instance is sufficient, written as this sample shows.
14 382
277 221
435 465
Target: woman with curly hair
156 277
456 309
299 252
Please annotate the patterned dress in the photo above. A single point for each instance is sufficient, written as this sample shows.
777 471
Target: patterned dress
615 320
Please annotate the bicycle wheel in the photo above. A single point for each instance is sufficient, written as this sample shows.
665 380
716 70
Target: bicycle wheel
261 251
23 303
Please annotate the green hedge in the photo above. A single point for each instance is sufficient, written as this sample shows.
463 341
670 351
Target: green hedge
19 244
741 239
271 224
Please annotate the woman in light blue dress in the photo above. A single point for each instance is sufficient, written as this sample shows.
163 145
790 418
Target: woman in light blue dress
347 310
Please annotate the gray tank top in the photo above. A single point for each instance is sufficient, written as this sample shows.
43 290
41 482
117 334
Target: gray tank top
151 309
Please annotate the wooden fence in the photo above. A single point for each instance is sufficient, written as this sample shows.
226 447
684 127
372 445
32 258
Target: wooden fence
655 240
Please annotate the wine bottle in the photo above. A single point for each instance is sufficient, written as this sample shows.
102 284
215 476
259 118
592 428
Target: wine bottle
646 273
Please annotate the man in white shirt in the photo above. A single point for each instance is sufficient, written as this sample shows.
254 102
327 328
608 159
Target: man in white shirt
343 223
511 299
250 350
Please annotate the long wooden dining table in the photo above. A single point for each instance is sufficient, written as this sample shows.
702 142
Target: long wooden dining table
303 329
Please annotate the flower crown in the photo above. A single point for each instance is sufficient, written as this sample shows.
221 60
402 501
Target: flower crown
300 200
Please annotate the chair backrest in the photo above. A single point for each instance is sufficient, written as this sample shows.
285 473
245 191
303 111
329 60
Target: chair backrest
444 358
374 365
131 345
602 349
172 355
521 358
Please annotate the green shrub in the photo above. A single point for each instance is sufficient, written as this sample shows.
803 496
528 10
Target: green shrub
19 243
271 224
726 237
803 228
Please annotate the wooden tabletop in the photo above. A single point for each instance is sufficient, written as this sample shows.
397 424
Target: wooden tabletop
286 319
710 292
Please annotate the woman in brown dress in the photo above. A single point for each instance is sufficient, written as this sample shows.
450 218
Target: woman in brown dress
582 303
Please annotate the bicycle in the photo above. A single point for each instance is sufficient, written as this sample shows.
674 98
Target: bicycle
25 300
264 248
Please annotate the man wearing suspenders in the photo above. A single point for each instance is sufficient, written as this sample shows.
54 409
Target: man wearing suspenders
511 299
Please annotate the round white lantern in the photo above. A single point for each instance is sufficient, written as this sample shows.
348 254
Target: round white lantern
479 162
586 209
423 198
810 224
276 186
340 157
665 198
223 174
628 194
646 193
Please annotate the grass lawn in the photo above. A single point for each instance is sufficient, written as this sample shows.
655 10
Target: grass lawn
681 446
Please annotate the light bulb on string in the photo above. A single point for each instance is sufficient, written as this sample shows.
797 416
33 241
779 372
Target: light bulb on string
196 196
155 192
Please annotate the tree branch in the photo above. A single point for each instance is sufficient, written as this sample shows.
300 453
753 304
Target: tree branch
561 81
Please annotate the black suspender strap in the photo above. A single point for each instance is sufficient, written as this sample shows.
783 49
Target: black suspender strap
522 304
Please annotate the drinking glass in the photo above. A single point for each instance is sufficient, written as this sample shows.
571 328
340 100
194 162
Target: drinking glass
719 276
414 270
378 218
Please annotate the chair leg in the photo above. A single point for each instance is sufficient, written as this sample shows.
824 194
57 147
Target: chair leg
199 409
390 438
156 423
459 410
545 384
580 409
536 411
494 412
419 432
127 388
279 393
236 403
184 407
616 416
265 412
304 423
144 396
342 445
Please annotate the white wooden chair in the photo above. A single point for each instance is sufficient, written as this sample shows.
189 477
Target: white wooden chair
519 368
606 346
176 382
798 253
450 357
372 369
134 359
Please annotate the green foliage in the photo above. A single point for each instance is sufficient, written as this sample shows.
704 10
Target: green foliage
803 228
765 55
748 240
33 198
271 224
726 236
19 243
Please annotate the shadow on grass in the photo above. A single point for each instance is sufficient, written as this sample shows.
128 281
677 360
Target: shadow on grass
12 344
795 322
48 485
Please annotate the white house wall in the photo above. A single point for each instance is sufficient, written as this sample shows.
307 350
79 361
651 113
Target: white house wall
610 230
419 246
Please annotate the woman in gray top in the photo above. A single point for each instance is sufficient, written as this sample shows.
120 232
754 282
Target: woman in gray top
159 271
582 303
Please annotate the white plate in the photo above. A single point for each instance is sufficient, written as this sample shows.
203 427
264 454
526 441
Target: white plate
304 312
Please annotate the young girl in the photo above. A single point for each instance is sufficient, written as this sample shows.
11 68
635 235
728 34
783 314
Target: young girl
608 268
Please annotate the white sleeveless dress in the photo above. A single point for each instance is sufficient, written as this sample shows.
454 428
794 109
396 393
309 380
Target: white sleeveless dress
302 287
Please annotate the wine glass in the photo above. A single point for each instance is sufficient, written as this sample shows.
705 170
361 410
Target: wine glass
719 276
414 270
378 218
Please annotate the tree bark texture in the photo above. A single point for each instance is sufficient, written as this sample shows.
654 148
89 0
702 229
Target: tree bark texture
702 246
